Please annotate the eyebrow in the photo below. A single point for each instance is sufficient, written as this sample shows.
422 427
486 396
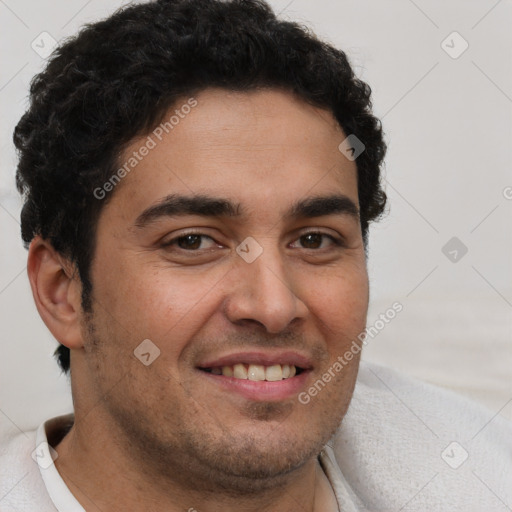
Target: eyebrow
206 206
176 205
324 205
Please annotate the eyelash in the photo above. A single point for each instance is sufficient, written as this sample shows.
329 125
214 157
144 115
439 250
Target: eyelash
338 242
175 240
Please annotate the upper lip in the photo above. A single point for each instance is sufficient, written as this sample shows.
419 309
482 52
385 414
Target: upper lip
260 357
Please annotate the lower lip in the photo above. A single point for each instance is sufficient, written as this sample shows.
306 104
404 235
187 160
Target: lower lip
261 391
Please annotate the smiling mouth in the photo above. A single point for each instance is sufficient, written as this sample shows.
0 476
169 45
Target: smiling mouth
256 372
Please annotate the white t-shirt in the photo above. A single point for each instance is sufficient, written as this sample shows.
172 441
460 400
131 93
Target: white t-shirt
403 445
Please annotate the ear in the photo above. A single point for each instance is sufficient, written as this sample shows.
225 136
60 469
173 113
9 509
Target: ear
56 288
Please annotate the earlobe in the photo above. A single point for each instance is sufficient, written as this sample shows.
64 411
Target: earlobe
57 292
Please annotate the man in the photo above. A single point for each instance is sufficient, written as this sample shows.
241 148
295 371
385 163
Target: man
199 178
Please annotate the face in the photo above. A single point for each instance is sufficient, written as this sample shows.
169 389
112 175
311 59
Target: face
234 246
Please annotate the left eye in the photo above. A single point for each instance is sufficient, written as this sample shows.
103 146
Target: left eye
192 242
314 241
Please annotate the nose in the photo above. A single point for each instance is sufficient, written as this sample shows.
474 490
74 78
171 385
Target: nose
263 293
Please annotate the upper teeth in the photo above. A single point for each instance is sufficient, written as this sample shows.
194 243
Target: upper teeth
256 371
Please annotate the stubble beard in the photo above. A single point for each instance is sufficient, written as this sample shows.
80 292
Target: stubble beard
176 449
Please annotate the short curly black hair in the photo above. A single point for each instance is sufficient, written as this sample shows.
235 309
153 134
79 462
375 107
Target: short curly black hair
117 78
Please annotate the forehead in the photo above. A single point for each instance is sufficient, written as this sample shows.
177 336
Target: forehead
260 147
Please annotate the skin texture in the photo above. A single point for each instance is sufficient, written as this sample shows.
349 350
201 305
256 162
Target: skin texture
165 436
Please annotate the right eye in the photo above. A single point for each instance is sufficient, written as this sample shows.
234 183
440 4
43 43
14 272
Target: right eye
191 242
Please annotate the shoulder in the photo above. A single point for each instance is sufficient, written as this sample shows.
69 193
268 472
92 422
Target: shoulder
404 441
21 486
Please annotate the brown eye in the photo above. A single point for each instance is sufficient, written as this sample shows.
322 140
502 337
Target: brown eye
311 240
190 242
316 240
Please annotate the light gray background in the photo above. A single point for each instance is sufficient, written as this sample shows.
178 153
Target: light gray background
448 124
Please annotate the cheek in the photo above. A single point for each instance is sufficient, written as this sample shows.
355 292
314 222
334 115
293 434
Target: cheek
151 300
340 299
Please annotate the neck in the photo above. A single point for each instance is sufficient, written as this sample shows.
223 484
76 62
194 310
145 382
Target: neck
90 464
